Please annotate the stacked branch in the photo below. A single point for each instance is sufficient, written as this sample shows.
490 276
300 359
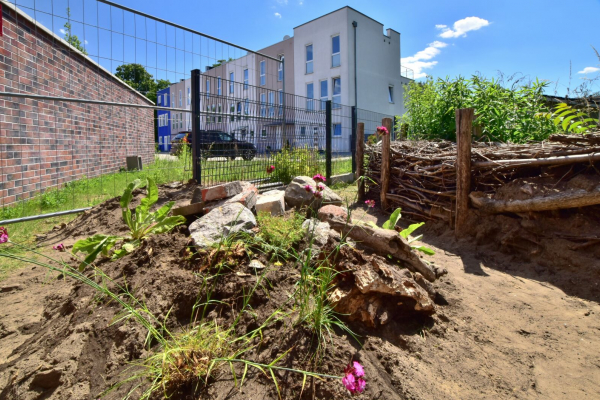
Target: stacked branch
423 173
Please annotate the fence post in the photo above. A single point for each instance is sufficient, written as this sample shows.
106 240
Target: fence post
360 160
464 126
196 159
385 162
353 146
328 127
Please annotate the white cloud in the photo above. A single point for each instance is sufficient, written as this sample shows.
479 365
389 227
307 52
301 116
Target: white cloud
417 62
462 26
589 70
63 31
278 15
85 41
301 2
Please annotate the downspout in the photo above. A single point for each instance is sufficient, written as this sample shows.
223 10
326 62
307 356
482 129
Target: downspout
355 24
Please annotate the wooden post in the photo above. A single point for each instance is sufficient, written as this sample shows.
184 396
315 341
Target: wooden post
360 160
464 127
385 162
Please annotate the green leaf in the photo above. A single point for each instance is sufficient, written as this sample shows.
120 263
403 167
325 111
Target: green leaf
424 249
394 218
89 244
411 228
152 196
163 211
167 224
127 194
565 122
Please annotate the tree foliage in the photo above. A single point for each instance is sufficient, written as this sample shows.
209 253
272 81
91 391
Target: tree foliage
73 40
136 76
502 114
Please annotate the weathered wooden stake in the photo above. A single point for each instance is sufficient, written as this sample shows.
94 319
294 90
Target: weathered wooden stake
385 162
360 160
464 127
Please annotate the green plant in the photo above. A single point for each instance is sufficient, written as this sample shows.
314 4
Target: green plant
280 232
290 163
142 224
571 120
504 111
405 233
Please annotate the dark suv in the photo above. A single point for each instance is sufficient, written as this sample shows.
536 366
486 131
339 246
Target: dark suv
217 144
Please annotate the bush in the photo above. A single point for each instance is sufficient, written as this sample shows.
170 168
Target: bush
502 114
290 163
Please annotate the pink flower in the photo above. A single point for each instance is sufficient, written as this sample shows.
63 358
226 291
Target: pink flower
382 130
318 194
270 169
352 379
319 178
308 188
3 235
371 204
59 247
320 187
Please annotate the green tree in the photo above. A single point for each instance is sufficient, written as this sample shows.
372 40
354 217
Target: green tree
73 40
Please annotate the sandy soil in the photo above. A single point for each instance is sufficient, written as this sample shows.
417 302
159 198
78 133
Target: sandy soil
505 329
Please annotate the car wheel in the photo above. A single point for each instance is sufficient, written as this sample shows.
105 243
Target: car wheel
248 155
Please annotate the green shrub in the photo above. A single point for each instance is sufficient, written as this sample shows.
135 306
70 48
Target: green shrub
280 232
502 114
290 163
571 120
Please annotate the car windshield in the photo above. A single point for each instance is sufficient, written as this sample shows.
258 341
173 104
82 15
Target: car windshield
224 137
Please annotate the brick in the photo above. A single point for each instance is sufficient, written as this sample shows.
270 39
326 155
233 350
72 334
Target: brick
330 211
247 198
224 191
272 201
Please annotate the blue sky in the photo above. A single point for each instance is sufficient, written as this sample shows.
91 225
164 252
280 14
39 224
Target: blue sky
543 39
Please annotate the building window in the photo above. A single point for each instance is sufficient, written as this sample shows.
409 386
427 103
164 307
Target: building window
219 111
335 51
252 134
189 96
232 112
245 79
303 131
280 102
219 86
246 107
309 59
310 94
280 69
159 100
324 94
337 129
180 103
263 133
271 104
231 82
263 106
263 77
391 93
337 93
239 110
207 87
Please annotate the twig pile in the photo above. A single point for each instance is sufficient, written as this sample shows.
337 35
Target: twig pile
423 173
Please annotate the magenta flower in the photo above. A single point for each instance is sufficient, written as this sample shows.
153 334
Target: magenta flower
352 378
270 169
382 130
3 235
319 178
320 187
308 188
318 194
59 247
370 203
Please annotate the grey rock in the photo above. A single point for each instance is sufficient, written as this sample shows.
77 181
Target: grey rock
297 196
317 231
256 264
219 223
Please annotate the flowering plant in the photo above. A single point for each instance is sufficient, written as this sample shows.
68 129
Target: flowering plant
319 178
382 130
370 203
3 235
320 187
59 247
270 169
309 188
353 378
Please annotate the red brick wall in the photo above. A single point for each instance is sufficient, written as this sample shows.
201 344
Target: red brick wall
44 144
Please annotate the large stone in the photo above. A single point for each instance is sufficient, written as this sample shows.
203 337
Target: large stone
247 198
297 196
316 231
221 222
330 211
218 192
272 201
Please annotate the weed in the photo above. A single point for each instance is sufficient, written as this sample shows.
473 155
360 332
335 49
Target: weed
281 233
290 163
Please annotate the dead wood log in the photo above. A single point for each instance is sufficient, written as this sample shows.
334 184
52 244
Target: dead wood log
384 242
569 199
534 162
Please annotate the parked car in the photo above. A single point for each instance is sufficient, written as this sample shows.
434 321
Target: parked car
216 144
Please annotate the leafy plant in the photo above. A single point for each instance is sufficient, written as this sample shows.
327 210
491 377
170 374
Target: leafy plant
290 163
506 110
142 224
405 233
280 232
571 120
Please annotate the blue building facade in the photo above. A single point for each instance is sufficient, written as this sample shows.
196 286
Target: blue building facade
163 99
